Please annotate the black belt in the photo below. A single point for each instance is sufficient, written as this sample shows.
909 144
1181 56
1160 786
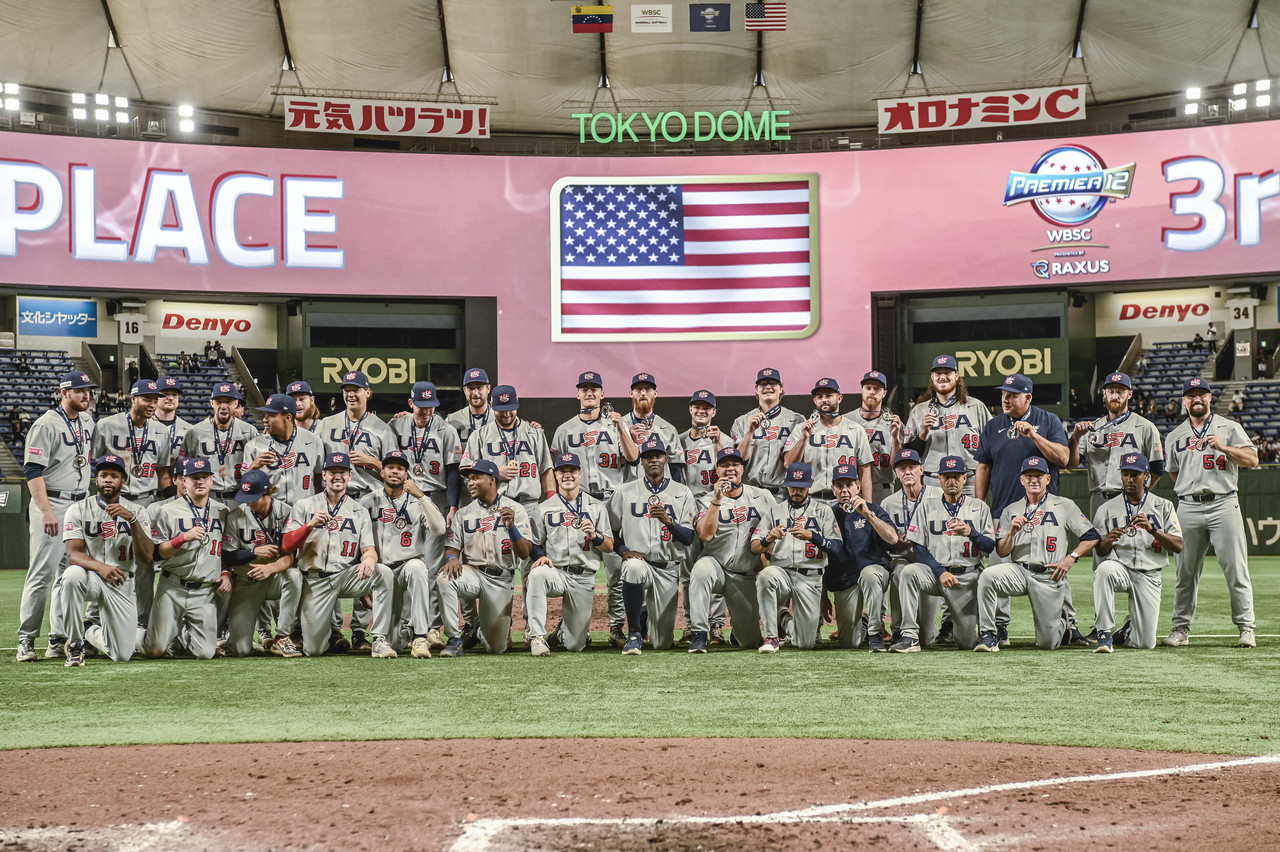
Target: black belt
316 572
1108 495
1037 569
492 572
186 584
656 564
1207 498
807 572
67 495
825 494
578 571
228 492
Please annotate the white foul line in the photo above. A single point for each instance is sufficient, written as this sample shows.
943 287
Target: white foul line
476 836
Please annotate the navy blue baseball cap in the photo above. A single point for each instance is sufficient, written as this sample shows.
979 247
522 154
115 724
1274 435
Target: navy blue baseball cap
484 466
653 446
110 461
397 456
844 471
1118 379
1196 385
475 376
180 467
298 387
424 395
826 384
768 374
1035 464
951 464
75 379
1017 383
944 362
253 485
799 475
730 452
703 396
590 378
644 379
169 384
341 460
197 467
906 457
145 387
566 460
227 389
355 378
279 403
1135 461
505 399
875 376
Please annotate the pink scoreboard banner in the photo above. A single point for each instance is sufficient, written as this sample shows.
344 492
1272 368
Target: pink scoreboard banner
700 270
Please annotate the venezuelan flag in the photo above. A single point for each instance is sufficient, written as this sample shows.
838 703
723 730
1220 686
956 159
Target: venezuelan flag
593 19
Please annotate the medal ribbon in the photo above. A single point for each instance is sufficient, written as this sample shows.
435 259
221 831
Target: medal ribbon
77 434
911 513
273 535
134 445
221 448
1198 433
195 513
575 508
1137 510
403 510
350 433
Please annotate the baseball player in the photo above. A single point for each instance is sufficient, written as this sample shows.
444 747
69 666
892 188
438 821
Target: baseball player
857 576
332 535
54 463
221 440
190 535
406 526
102 534
727 566
171 426
289 455
570 532
1119 433
261 572
603 443
653 523
1034 534
489 540
1142 530
476 387
797 537
516 448
359 433
702 443
904 508
952 536
884 433
308 413
946 421
1205 453
827 439
643 422
762 434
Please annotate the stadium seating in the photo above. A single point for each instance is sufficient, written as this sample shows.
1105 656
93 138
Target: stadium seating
31 392
1168 366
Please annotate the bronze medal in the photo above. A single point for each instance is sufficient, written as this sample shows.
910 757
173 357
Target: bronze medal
81 461
655 500
136 470
401 523
419 470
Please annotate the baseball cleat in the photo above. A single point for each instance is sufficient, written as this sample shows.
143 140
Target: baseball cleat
1246 638
75 656
261 647
617 636
946 634
1091 637
1121 636
360 643
420 648
686 636
1073 636
556 642
538 647
435 638
1103 645
988 642
452 648
57 649
905 645
338 644
632 648
380 649
697 642
875 644
1002 636
284 647
716 637
770 645
1179 637
26 651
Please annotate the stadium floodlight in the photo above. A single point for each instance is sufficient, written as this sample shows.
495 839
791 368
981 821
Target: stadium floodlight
1193 93
11 104
1262 101
186 125
1239 89
1238 104
122 118
102 100
79 98
80 114
101 115
1191 109
186 110
122 103
11 88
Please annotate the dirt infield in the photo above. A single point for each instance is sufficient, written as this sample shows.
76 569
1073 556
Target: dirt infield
687 794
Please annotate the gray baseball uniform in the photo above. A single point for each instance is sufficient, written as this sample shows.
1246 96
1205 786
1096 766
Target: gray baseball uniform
958 554
845 442
489 561
904 512
523 446
958 433
248 531
765 467
700 476
795 570
664 430
184 601
369 435
404 531
1102 448
1133 565
173 431
296 473
465 422
726 565
110 541
572 573
880 443
1209 512
144 449
224 448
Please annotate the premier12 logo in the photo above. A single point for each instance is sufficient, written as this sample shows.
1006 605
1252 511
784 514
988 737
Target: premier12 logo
1067 187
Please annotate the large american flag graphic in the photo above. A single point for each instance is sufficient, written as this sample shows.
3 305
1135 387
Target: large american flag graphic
684 258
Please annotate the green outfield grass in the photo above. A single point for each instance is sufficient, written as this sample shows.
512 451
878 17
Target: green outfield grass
1210 697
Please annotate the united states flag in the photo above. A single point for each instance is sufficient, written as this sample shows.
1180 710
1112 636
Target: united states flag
766 17
705 258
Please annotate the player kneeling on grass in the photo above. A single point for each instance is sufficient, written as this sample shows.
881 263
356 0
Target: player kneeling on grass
1142 530
189 534
797 536
262 572
336 554
571 531
489 539
103 534
728 517
404 518
953 533
858 576
1033 533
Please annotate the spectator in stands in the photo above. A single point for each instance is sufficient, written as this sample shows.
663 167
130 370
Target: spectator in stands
1237 401
208 353
1197 343
1141 366
15 423
24 422
220 354
1076 408
119 402
1171 408
1212 336
132 372
240 386
23 365
183 364
1273 450
1262 363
